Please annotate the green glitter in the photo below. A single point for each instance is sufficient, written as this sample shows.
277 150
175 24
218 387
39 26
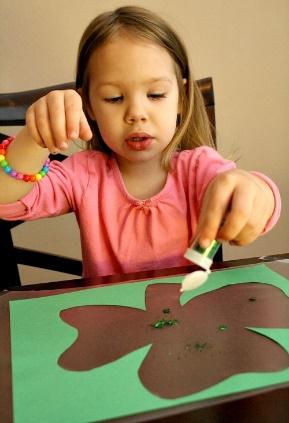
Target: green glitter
200 347
172 322
160 324
223 328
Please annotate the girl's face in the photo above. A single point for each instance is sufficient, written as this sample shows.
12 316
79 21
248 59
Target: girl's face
134 98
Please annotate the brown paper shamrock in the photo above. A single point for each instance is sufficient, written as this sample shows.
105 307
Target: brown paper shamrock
196 346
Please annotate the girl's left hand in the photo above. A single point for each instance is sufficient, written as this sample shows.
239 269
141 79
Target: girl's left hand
236 208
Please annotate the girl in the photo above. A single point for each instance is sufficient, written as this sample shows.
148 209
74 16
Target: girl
150 179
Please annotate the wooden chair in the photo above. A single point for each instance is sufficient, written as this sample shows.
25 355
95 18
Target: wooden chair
13 108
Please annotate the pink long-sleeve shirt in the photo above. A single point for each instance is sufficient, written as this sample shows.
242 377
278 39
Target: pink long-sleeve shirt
119 233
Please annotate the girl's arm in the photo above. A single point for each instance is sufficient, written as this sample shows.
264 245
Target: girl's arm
25 156
51 122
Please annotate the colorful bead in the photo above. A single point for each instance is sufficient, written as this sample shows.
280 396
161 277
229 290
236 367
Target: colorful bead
18 175
7 169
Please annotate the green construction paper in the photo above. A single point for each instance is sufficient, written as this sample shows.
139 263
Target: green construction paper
43 391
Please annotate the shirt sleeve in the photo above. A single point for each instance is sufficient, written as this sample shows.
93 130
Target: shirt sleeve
59 192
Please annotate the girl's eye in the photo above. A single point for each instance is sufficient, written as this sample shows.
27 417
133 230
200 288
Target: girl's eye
156 96
113 99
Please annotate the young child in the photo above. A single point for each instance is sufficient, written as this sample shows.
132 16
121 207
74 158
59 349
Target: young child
150 179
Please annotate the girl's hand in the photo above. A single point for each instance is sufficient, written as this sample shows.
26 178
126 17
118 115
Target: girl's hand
236 207
56 119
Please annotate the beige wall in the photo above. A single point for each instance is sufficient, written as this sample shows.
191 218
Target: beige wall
243 45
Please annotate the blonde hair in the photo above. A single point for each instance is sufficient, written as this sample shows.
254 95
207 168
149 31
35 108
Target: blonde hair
193 128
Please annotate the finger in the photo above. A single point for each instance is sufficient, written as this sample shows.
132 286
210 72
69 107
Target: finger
85 132
57 118
73 109
253 227
245 237
42 124
31 126
214 208
240 213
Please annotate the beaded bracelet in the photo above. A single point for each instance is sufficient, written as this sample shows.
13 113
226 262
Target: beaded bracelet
17 175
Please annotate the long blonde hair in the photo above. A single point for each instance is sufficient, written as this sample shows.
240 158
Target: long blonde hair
193 127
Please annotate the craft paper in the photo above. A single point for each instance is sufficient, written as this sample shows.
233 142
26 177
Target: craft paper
44 391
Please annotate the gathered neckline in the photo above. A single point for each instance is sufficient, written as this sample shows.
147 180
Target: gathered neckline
150 201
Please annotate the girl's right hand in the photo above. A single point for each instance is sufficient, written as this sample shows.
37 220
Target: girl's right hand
56 119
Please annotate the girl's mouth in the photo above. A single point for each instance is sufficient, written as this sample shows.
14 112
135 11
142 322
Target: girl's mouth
139 142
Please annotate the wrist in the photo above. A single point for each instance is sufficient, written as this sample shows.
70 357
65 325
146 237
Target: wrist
11 153
274 199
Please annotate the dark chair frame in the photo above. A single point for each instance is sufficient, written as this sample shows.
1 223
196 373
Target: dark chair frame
13 108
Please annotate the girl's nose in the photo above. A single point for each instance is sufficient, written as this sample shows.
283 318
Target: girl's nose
135 113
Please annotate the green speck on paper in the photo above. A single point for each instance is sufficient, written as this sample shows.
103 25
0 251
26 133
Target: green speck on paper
199 346
160 324
172 322
222 328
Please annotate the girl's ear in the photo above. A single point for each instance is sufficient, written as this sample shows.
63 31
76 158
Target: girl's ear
85 104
